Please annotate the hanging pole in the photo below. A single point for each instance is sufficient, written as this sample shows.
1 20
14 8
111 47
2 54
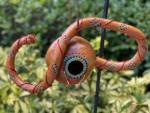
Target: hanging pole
78 16
100 53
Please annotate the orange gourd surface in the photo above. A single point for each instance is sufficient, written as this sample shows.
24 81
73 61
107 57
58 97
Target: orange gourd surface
70 58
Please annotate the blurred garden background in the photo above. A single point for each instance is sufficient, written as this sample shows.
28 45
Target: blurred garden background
123 92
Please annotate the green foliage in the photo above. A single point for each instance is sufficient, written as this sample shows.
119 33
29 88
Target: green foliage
120 92
124 92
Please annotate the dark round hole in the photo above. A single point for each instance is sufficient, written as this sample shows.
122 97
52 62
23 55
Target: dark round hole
75 67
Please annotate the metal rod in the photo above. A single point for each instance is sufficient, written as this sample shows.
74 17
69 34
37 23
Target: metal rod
100 53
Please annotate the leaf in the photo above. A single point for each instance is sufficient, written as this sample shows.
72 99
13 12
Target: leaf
16 107
79 109
125 105
24 107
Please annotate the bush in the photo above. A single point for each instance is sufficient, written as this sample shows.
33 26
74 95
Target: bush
124 92
120 92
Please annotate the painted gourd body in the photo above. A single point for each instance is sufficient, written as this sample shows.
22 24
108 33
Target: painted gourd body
70 58
78 62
